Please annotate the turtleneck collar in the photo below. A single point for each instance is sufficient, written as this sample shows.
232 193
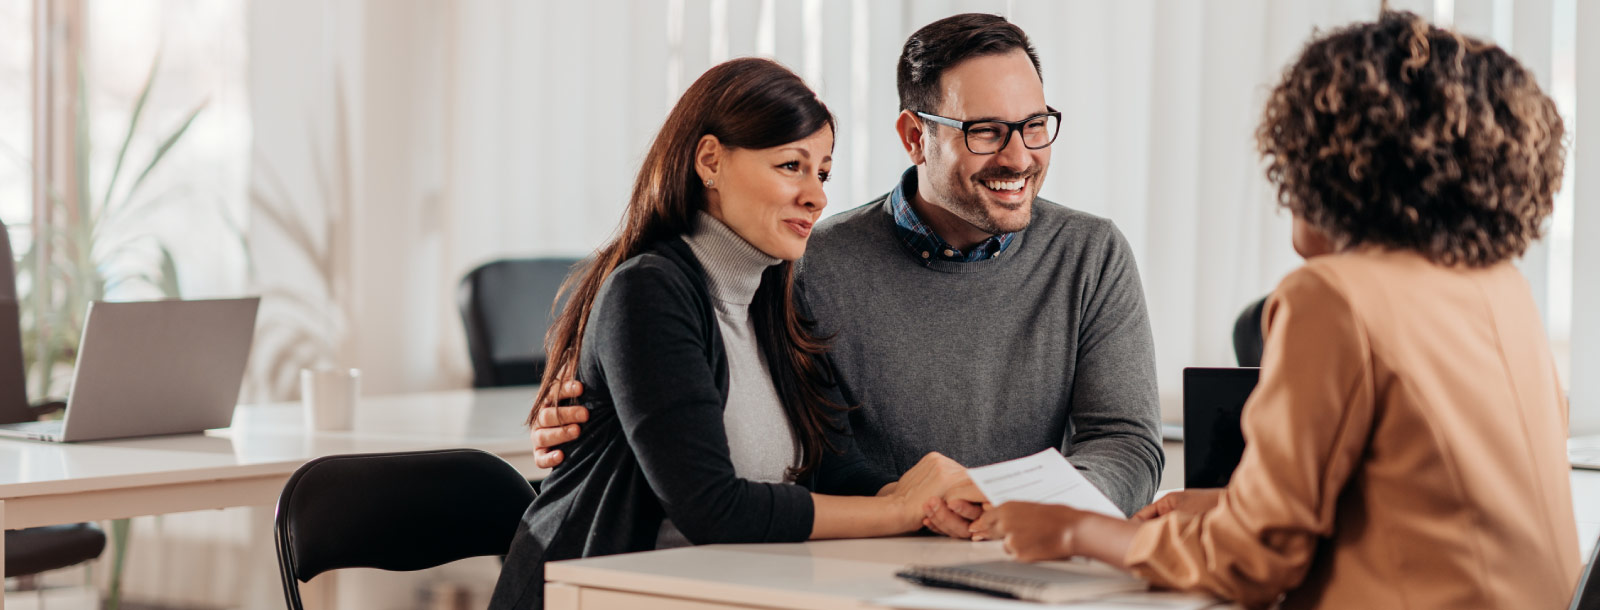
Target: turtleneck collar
733 266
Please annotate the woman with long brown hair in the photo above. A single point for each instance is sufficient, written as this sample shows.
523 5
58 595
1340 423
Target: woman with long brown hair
1405 447
714 416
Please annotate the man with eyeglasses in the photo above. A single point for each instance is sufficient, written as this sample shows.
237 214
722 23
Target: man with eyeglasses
969 317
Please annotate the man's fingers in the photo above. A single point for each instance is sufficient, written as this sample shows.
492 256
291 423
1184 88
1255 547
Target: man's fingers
547 458
949 523
1146 513
547 417
966 492
966 509
550 417
545 438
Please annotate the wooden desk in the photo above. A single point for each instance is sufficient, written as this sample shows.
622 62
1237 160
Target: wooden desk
818 575
247 464
824 575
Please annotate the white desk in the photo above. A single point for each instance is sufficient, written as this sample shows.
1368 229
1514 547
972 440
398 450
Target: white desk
247 464
817 575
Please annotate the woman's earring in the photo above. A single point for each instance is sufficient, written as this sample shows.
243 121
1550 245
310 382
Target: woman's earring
709 182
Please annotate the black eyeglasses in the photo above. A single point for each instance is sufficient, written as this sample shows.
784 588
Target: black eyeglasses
990 137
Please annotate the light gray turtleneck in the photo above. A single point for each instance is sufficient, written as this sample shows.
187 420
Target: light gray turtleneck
760 442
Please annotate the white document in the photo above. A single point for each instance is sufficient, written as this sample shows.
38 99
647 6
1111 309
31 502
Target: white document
1044 477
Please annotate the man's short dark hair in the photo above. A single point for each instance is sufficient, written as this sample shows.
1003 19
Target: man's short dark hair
944 43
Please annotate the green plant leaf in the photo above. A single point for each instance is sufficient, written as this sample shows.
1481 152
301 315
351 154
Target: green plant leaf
133 126
123 214
161 151
169 274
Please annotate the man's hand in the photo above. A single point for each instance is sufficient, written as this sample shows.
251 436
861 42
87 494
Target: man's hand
555 425
953 514
1187 500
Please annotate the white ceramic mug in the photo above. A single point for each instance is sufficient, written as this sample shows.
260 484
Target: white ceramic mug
329 396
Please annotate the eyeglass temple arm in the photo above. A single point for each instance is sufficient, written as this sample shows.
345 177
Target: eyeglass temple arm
941 120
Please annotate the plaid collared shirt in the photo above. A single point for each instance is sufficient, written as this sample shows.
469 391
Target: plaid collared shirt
921 241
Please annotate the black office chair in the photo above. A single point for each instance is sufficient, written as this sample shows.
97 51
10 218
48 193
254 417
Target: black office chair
395 511
37 549
506 307
1247 340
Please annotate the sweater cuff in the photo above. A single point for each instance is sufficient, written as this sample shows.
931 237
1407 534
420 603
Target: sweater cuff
793 514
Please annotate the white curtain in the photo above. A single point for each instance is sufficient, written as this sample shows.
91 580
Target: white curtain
493 128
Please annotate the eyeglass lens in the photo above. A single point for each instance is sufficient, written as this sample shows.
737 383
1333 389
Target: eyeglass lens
988 137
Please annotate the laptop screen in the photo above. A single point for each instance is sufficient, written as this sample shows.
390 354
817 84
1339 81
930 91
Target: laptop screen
1213 399
1587 597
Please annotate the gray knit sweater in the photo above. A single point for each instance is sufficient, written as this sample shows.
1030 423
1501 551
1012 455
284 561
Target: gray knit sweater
1046 345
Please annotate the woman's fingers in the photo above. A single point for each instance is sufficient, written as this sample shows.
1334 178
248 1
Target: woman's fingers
990 525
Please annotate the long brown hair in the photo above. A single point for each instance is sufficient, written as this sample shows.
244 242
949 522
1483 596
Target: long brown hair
746 103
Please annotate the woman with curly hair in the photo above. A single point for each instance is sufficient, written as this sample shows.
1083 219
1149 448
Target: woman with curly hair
1406 444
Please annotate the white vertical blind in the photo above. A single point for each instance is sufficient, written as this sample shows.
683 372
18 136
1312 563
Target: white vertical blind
1586 221
545 110
1531 24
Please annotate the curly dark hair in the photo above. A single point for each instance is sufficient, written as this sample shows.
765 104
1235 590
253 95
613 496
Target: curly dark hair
1399 134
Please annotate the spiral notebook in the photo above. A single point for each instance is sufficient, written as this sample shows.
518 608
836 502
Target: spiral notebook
1049 582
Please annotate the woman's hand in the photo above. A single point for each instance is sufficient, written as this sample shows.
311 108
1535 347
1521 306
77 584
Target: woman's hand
1035 532
1186 500
933 475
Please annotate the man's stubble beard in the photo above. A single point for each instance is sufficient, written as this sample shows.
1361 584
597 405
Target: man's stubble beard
961 198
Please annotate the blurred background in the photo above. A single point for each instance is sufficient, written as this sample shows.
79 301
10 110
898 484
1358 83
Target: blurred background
351 160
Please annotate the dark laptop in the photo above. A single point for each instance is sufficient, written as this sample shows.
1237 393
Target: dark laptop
1213 400
1587 597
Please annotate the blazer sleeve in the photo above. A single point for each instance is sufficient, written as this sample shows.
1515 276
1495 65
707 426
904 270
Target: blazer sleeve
1305 429
651 341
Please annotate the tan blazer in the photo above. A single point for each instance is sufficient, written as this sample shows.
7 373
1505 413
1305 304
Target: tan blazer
1406 448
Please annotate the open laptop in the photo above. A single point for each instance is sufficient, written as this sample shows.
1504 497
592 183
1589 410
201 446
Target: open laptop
149 368
1213 443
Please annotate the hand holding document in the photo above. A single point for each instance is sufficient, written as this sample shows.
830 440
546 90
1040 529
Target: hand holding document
1044 477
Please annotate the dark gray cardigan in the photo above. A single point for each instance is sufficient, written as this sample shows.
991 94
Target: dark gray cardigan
656 381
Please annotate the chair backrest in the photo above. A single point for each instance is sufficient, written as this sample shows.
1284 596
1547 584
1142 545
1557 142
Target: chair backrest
13 385
506 308
395 511
1247 339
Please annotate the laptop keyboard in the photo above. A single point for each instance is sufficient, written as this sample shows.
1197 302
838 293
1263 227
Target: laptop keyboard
1584 452
37 427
